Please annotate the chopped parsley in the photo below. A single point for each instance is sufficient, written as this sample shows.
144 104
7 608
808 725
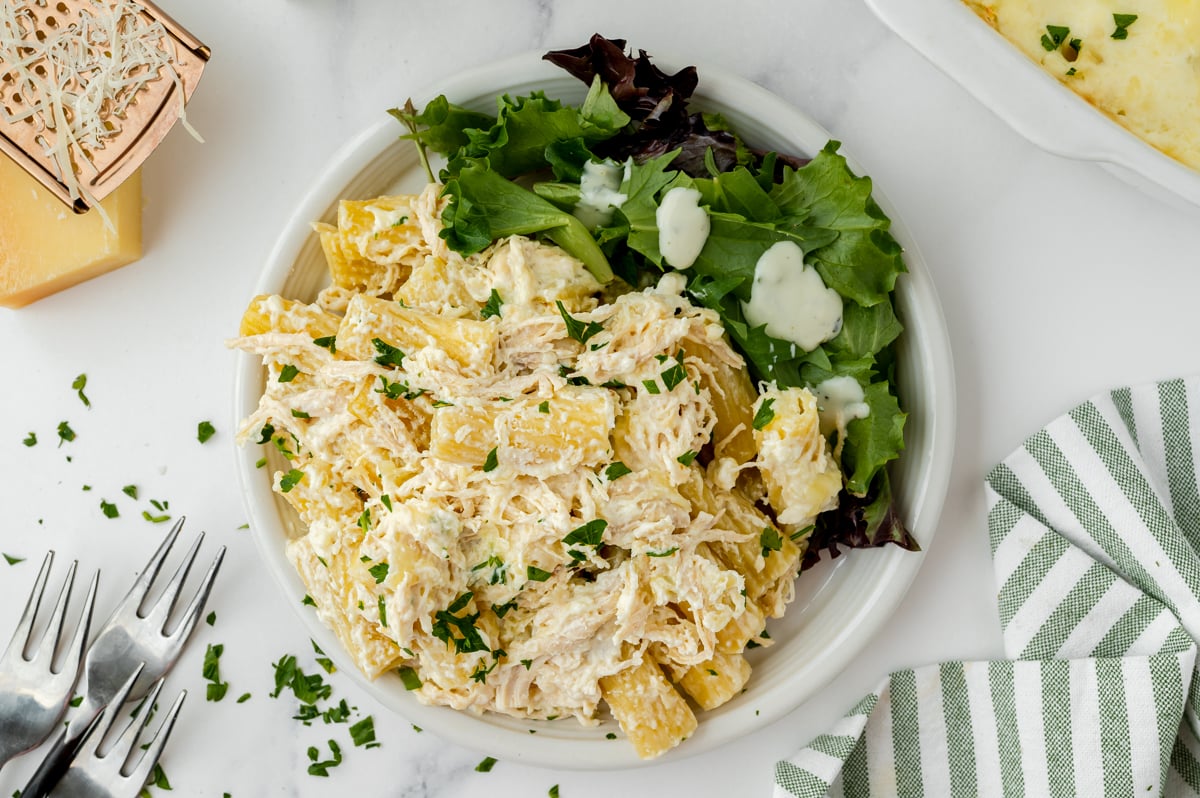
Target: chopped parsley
610 736
383 611
687 458
322 768
158 777
65 433
11 560
397 390
1054 36
770 540
486 765
288 373
30 439
666 553
535 574
499 570
490 463
79 384
764 415
130 491
308 601
216 688
616 470
528 663
590 534
675 374
492 308
211 618
576 329
363 732
155 519
544 406
502 609
266 433
327 342
299 414
386 501
290 480
409 677
441 403
204 431
651 386
243 698
379 571
388 354
109 509
364 520
553 793
448 621
1123 21
800 534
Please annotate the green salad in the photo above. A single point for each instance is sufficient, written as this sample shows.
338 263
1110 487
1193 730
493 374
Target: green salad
521 171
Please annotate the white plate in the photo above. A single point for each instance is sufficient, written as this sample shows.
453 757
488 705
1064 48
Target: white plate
1033 102
839 605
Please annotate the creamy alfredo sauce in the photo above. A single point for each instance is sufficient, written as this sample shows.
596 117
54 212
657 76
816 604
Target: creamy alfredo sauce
598 194
790 298
682 226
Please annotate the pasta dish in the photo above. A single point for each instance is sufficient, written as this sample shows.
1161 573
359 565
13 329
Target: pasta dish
529 493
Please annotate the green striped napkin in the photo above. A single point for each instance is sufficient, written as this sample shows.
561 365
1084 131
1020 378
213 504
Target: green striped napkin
1095 535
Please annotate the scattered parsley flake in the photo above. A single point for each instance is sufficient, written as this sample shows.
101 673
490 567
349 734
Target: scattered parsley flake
491 462
553 793
109 509
1123 21
130 491
386 501
616 470
409 677
589 534
364 520
363 732
770 540
666 553
382 611
308 601
211 671
299 414
492 308
79 384
502 609
486 765
544 406
322 768
388 354
155 519
76 701
30 439
1054 36
327 342
764 415
11 560
576 329
379 571
535 574
204 431
243 698
65 433
288 373
158 777
442 403
651 386
290 479
687 458
674 375
211 618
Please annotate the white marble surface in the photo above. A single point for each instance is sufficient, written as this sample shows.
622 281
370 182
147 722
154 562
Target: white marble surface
1057 280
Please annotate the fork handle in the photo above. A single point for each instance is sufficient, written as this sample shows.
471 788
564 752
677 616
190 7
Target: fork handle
56 761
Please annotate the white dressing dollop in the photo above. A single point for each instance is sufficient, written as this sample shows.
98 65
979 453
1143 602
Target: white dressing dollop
790 297
840 400
598 194
682 226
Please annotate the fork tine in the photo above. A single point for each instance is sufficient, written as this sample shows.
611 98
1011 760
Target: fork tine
25 626
141 587
89 744
74 655
133 728
141 771
53 633
158 614
196 605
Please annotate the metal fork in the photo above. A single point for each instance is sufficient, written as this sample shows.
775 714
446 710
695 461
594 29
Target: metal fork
93 774
33 696
133 635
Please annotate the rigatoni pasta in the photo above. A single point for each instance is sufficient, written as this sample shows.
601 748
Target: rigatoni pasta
534 496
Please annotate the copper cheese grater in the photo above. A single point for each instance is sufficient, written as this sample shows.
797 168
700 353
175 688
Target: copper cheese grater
134 122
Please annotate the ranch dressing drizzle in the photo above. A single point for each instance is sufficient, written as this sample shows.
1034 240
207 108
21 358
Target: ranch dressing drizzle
840 400
790 298
682 226
598 194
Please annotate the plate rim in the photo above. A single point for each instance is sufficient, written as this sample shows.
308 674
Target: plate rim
464 728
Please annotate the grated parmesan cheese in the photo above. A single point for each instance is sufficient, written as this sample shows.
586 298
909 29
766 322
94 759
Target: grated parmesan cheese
75 82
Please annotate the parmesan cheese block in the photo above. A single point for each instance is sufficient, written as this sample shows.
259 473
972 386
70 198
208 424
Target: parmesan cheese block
1145 73
45 247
